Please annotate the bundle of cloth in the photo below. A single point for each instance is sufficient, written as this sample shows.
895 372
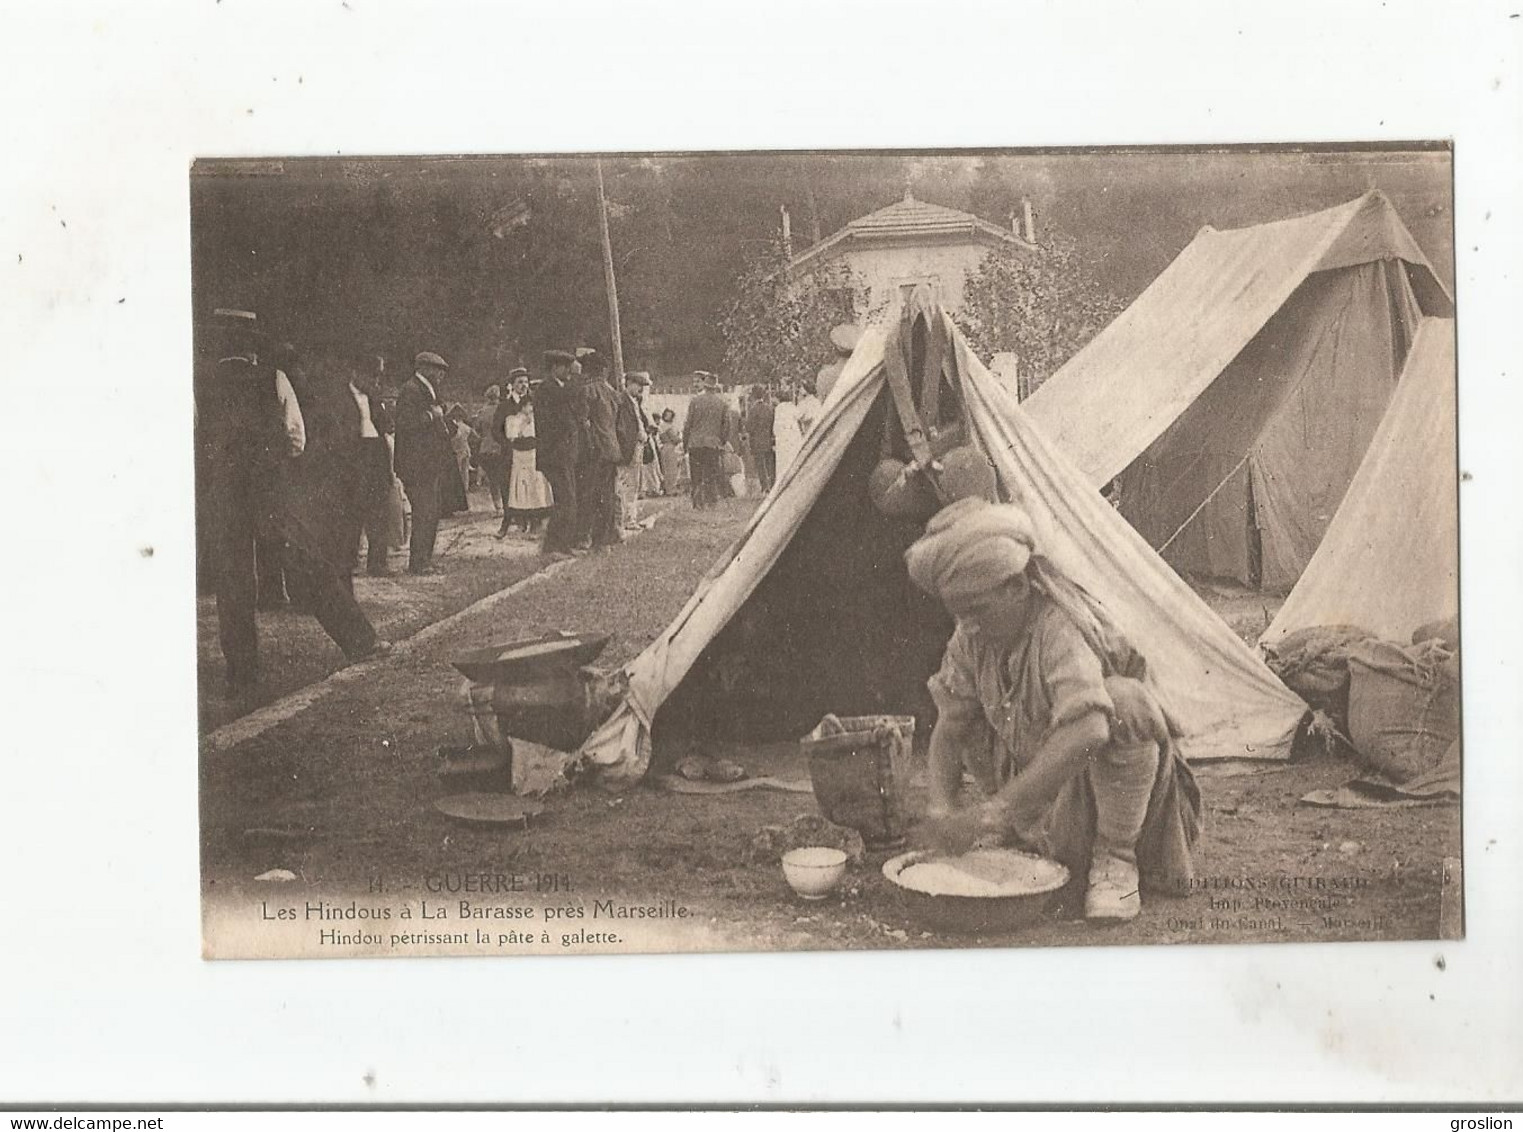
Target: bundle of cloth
1395 705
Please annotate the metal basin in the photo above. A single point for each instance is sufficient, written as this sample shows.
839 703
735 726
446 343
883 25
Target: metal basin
527 659
966 915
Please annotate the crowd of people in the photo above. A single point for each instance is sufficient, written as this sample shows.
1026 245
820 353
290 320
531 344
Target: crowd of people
300 466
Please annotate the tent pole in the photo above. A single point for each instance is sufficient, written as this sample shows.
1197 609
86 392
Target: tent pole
1203 502
608 279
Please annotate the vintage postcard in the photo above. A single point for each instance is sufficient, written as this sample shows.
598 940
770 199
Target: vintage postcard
784 551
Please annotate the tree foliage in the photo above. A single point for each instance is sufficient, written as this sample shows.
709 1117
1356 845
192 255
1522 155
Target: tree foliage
776 329
1042 306
489 260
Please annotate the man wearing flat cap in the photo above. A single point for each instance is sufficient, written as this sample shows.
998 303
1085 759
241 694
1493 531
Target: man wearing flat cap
598 490
1045 704
423 454
633 429
559 414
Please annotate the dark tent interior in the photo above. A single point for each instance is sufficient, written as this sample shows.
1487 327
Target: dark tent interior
834 626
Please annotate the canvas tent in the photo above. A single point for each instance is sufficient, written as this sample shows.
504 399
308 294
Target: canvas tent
1236 396
811 610
1390 559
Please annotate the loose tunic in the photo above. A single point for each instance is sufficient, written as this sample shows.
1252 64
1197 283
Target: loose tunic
1023 693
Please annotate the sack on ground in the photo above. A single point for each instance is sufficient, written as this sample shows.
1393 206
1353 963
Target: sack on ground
1403 706
1314 664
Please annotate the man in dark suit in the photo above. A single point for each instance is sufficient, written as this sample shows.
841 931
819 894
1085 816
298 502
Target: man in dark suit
269 548
558 423
322 510
238 432
636 446
348 449
258 487
423 453
760 420
601 459
704 434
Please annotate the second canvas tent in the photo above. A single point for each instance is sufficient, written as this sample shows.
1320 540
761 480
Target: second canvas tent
1236 397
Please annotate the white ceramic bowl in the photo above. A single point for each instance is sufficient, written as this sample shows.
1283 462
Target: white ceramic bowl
814 872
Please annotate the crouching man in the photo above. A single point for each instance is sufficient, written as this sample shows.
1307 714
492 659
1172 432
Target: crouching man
1074 760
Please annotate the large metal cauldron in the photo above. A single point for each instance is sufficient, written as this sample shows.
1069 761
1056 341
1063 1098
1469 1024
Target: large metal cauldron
534 689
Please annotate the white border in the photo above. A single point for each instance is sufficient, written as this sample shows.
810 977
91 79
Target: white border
102 996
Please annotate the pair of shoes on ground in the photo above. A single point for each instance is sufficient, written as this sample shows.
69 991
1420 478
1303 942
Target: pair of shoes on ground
424 570
710 768
1113 896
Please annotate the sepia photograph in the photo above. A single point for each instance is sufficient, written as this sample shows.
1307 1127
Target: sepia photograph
826 550
634 558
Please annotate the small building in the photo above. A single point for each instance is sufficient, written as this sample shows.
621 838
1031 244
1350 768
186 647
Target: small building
873 264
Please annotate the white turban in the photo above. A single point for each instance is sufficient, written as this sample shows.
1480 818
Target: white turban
970 548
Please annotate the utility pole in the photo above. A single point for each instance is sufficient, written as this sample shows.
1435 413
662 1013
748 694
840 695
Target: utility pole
613 290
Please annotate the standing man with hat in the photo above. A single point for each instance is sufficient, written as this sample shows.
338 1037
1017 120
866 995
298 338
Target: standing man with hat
636 448
704 434
239 429
558 417
423 453
362 462
602 458
760 421
242 430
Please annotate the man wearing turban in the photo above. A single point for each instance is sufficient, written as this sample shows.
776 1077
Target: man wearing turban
1046 706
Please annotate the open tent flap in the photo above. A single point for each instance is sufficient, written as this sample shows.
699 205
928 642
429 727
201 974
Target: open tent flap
620 749
834 626
1390 560
812 609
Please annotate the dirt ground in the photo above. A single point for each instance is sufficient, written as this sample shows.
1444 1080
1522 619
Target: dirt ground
342 793
294 650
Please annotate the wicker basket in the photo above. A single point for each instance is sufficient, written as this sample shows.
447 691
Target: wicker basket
859 767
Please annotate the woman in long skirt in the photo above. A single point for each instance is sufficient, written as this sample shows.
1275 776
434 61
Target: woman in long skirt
673 471
528 497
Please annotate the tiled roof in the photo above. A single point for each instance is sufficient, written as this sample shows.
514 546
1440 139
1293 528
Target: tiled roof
909 219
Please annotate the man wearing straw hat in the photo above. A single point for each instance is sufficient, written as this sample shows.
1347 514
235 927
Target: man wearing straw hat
1043 701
